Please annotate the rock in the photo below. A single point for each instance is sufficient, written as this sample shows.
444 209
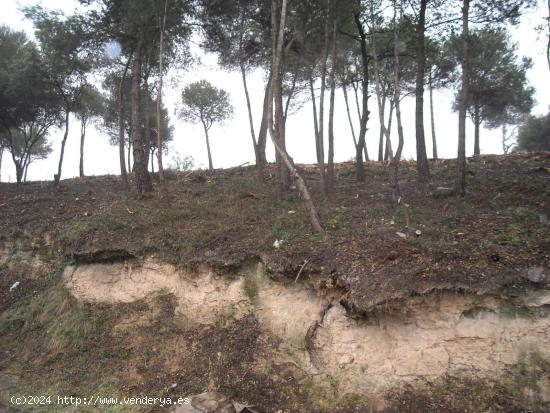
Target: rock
400 234
15 285
278 242
536 274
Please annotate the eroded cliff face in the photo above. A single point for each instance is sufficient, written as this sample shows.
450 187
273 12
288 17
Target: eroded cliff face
416 343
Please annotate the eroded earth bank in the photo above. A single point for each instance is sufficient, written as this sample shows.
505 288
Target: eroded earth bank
103 295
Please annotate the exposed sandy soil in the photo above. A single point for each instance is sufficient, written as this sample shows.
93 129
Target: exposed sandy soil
429 338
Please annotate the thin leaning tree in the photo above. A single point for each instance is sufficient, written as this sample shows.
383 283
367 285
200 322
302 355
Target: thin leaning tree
206 104
277 33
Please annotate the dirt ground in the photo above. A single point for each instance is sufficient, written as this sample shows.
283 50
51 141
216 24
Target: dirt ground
375 251
480 242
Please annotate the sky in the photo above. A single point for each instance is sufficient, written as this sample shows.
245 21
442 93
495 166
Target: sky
231 142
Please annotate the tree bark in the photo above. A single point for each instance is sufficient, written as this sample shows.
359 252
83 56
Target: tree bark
162 25
397 88
463 105
210 164
349 115
123 172
361 145
82 137
477 124
129 160
332 80
432 118
18 171
380 96
321 135
63 142
257 155
422 165
381 140
262 134
316 130
277 33
388 153
142 178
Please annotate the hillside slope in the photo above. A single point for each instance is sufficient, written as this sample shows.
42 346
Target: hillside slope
417 303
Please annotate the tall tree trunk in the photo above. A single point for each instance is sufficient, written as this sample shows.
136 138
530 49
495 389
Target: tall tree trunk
63 142
359 117
397 88
380 95
18 171
162 25
146 109
316 130
388 153
332 80
145 116
463 105
321 135
210 164
422 165
122 161
381 141
361 145
129 161
142 178
349 115
257 155
26 170
277 33
82 137
432 118
477 124
284 175
262 134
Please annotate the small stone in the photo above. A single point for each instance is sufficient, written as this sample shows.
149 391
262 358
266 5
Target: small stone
536 274
277 244
15 285
402 235
392 222
291 212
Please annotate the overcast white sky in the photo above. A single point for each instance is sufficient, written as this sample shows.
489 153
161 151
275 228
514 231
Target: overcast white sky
231 142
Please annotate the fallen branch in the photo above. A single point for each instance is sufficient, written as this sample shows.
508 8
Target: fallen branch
301 269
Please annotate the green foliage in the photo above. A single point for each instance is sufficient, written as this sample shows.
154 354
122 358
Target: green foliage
534 134
499 92
110 113
203 102
91 104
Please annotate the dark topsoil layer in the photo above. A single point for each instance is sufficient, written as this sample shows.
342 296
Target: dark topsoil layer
483 242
